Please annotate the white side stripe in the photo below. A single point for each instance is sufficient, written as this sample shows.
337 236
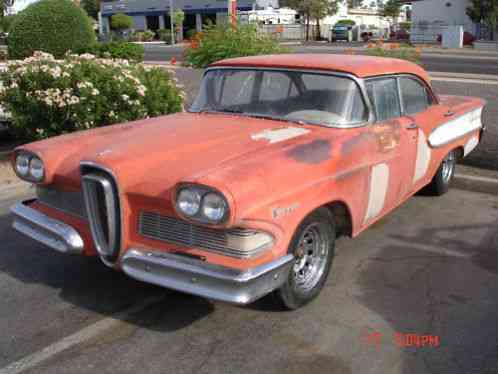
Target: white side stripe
471 144
379 182
423 157
456 128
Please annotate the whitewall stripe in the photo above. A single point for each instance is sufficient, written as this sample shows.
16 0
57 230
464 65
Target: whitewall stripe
423 157
379 183
456 128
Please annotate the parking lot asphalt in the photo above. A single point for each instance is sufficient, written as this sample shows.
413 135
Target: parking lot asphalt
430 269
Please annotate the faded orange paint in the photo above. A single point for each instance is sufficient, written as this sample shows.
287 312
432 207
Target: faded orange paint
151 158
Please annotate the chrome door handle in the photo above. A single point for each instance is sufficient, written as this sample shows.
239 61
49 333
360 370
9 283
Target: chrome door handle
412 126
449 113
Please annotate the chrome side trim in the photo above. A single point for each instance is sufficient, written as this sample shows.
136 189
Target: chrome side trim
197 277
40 227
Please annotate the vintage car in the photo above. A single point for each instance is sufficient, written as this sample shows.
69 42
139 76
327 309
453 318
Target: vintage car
245 194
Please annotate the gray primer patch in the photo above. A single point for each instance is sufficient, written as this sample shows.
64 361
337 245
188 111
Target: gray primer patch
279 135
311 153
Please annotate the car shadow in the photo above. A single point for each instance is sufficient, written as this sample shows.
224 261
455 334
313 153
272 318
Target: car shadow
90 285
434 283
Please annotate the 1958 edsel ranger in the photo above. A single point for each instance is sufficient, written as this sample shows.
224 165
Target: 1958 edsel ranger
245 193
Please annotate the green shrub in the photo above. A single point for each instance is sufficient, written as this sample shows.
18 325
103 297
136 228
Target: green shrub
405 26
52 26
222 41
165 35
345 22
143 36
119 50
121 22
190 34
6 22
409 54
48 97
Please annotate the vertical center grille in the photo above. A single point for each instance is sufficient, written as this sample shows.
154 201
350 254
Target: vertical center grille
102 205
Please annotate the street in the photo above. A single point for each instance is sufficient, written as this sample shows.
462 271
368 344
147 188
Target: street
430 268
484 63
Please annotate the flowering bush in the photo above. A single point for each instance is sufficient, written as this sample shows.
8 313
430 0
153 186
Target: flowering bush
222 41
47 97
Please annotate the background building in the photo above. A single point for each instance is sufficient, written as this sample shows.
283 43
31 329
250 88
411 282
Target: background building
154 14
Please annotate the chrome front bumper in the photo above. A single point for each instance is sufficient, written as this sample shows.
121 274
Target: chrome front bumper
168 270
197 277
53 233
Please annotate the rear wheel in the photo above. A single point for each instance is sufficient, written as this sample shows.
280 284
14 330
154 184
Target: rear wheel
442 180
313 249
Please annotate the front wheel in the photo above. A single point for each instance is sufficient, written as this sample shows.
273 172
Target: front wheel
442 180
313 249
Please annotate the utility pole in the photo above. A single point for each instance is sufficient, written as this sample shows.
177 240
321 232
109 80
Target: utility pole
232 12
171 22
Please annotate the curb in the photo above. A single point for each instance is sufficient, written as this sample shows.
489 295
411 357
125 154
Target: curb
441 74
476 183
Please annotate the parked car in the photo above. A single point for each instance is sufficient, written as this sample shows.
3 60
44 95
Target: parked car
246 193
400 34
340 32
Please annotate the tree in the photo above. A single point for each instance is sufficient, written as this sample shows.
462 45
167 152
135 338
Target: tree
313 9
121 21
391 9
53 26
92 7
483 11
319 9
178 18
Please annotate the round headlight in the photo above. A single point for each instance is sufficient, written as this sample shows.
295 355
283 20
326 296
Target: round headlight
189 202
22 164
214 206
36 169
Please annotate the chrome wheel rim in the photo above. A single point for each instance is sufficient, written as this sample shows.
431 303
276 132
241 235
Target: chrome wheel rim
311 258
448 167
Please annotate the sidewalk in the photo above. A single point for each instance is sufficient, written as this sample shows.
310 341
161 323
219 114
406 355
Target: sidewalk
432 50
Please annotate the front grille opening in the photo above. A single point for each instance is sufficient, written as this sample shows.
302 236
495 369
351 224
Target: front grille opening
153 225
103 209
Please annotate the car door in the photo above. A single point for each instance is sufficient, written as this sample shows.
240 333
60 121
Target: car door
420 108
393 160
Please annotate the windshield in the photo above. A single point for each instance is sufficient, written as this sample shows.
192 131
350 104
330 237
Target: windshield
296 96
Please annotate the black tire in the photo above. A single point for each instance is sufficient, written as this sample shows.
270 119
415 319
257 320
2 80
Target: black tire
293 295
441 182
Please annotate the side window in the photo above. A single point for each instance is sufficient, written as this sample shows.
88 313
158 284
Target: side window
277 86
414 95
383 94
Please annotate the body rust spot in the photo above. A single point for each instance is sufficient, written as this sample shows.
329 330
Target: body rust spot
314 152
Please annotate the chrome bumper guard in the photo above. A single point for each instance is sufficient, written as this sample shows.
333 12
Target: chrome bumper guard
40 227
197 277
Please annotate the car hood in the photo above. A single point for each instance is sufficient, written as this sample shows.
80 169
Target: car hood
165 150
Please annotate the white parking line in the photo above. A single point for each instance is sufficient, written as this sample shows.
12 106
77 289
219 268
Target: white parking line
83 335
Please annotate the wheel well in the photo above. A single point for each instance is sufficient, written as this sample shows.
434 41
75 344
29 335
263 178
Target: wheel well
459 151
342 218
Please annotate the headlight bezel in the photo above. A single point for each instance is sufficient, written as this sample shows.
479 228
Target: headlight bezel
202 191
28 176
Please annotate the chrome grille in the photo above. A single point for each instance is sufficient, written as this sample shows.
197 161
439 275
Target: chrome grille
102 207
155 226
66 201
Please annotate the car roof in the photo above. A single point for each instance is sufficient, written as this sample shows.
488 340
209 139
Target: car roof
358 65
